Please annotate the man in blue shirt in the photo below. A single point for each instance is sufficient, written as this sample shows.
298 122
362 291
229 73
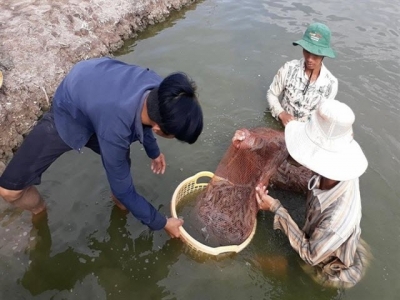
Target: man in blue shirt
106 105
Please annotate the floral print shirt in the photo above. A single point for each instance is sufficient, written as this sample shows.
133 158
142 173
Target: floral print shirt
289 85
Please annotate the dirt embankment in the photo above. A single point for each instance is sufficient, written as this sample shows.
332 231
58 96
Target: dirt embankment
40 40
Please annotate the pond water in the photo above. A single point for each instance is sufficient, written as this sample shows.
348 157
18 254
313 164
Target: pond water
88 249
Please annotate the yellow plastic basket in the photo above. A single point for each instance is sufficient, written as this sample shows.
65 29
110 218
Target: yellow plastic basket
189 186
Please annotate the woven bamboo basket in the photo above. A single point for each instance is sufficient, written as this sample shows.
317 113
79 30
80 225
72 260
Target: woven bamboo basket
192 185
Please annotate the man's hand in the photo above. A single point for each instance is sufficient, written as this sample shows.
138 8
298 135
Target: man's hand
242 139
264 200
285 118
172 227
158 164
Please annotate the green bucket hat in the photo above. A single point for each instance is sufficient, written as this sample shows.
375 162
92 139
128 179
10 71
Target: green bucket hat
317 40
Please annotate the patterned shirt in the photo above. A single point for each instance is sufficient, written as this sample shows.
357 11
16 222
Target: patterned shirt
330 238
290 83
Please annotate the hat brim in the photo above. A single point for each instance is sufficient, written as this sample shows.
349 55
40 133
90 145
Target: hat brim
320 51
346 164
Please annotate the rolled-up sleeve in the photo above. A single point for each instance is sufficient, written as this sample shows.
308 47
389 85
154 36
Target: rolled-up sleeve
119 176
275 90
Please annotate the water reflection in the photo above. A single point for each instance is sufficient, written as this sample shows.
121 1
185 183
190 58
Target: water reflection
154 29
122 267
120 264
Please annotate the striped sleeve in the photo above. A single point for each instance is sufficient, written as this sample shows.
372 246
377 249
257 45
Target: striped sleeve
313 249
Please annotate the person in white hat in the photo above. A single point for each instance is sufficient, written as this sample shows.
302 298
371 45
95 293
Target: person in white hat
301 84
330 239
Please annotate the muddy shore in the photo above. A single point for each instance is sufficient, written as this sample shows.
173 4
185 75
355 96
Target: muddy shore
40 40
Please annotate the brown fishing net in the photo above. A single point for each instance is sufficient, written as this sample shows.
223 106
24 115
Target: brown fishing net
291 177
227 208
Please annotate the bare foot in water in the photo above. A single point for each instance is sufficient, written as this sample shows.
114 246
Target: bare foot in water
118 203
41 207
39 214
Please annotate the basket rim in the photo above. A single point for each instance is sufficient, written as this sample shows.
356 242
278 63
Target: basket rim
186 237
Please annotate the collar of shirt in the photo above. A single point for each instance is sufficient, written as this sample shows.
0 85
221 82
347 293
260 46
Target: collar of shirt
326 197
322 72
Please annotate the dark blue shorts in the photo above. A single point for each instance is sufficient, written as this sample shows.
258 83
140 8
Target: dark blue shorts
39 150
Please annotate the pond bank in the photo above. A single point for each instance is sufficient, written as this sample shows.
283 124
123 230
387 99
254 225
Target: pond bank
41 40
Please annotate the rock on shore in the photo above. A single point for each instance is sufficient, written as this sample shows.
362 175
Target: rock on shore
40 40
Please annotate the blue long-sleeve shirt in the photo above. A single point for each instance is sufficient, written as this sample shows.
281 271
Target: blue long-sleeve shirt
105 97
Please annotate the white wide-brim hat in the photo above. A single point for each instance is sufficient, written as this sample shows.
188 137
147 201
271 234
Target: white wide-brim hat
325 144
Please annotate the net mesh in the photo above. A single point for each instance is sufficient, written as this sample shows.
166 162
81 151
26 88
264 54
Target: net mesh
227 208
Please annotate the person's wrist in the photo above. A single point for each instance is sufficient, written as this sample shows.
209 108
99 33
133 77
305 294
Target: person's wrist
282 115
166 223
275 206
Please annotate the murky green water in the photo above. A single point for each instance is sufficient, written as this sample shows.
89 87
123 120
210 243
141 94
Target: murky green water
87 249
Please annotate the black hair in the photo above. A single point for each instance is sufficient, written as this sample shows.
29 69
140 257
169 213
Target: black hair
175 108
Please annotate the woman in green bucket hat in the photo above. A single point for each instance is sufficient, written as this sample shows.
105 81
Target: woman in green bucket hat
300 85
